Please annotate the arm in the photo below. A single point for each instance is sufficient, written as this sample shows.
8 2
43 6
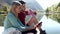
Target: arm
34 13
30 12
26 12
18 24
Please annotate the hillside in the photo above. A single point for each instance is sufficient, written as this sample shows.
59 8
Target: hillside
53 12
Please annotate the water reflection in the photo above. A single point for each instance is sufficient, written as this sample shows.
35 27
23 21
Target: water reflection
51 26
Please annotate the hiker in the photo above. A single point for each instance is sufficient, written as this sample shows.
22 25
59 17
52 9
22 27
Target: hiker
12 24
31 20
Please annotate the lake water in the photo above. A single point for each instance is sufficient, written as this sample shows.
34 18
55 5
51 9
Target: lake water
49 25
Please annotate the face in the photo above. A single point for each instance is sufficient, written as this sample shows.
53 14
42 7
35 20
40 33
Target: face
18 9
23 7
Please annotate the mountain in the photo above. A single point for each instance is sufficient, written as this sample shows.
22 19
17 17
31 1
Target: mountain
33 4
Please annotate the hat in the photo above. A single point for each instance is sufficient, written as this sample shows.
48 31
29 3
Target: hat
17 2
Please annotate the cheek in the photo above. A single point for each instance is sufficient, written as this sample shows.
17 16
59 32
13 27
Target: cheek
17 11
23 8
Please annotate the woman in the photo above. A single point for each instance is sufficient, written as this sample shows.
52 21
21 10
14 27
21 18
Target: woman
12 21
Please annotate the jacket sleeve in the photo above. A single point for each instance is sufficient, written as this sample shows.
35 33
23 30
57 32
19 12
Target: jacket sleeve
16 23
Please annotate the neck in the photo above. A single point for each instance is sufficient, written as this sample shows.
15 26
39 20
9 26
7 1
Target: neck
22 10
16 14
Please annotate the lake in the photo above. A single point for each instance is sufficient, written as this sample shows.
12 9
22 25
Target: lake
49 25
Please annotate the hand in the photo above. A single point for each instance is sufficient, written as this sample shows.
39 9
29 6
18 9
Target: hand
38 24
35 13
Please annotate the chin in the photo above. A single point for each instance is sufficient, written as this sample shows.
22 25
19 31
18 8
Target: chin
23 10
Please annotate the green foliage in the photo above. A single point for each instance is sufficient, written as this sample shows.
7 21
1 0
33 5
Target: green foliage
3 13
2 17
55 12
4 8
47 11
59 5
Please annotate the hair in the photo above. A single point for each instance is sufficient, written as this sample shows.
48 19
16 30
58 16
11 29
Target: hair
15 4
22 2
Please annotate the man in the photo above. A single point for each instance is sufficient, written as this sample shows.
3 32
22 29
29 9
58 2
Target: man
22 15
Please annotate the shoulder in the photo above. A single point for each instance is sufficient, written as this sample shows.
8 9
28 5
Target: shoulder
10 15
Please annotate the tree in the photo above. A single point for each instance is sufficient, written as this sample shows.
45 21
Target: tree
4 8
47 11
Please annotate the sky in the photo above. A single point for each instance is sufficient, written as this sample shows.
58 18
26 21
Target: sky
47 3
43 3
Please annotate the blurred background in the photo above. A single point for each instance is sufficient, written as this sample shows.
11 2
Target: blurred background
51 11
48 11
